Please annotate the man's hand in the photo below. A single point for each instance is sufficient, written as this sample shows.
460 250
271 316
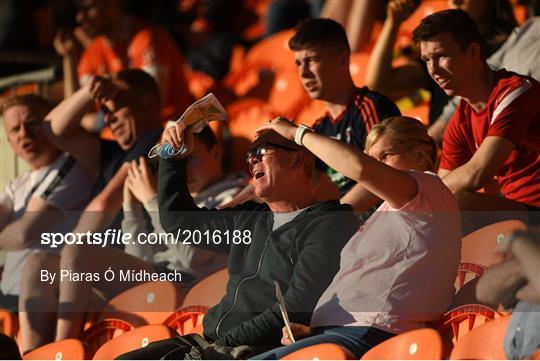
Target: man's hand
129 198
280 125
67 45
141 182
299 332
176 136
102 89
398 11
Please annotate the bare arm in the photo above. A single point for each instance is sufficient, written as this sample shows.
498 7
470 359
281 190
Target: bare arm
381 75
499 283
481 168
360 21
360 198
102 210
25 231
62 124
69 48
377 178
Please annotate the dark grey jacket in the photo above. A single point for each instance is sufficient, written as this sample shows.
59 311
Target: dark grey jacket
302 255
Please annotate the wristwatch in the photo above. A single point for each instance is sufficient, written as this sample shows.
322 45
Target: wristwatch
300 133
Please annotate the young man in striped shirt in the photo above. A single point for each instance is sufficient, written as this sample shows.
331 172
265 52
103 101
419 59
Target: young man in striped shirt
322 53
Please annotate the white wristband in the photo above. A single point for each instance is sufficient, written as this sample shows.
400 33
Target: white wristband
300 134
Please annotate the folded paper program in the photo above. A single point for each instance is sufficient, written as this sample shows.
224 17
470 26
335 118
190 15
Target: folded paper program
196 117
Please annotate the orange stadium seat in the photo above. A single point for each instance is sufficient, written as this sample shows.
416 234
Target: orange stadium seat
421 344
358 66
139 337
199 83
273 49
427 7
484 342
187 320
311 112
287 96
68 349
323 351
468 272
480 247
246 115
460 321
148 303
209 291
9 323
103 331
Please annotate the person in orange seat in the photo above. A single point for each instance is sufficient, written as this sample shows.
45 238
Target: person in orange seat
397 272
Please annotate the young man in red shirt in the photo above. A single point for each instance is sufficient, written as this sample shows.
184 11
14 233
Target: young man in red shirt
495 130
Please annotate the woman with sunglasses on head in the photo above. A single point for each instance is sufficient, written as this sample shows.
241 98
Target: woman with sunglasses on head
397 272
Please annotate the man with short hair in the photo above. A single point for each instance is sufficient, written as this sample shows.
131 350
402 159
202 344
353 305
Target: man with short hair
131 102
322 54
495 131
290 238
44 199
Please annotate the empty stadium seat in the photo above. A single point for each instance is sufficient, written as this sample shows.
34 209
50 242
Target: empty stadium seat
147 303
484 342
459 321
467 272
187 320
287 96
103 331
209 291
422 344
246 115
9 323
311 112
68 349
481 246
324 351
273 49
357 66
132 340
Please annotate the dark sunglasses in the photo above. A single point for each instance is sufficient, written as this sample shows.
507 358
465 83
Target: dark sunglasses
261 150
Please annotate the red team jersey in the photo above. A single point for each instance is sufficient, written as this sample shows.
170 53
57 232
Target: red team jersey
148 48
512 112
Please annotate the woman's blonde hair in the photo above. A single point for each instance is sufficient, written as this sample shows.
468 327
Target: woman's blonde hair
405 132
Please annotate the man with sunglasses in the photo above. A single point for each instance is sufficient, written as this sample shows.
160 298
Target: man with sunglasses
42 199
290 238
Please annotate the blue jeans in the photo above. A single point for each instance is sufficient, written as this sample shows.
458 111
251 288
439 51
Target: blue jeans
357 339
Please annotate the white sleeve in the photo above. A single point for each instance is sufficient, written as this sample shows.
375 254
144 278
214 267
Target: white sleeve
71 192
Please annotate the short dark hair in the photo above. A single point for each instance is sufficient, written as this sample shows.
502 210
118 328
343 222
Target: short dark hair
454 21
316 32
139 83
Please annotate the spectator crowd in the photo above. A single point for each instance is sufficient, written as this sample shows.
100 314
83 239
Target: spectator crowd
365 141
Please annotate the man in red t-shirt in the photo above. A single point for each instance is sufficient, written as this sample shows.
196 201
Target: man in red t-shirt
495 131
121 42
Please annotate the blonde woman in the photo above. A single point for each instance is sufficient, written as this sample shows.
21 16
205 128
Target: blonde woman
397 272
